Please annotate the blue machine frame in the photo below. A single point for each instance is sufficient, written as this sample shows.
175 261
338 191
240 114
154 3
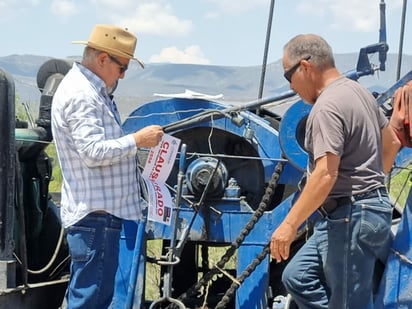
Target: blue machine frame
235 213
272 146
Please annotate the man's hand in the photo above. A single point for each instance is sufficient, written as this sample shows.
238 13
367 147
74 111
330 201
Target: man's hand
148 136
401 117
281 240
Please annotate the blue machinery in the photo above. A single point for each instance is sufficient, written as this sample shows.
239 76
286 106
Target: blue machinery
233 164
234 154
236 178
241 170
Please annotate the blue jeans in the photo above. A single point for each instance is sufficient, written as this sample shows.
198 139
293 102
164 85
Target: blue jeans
94 249
335 267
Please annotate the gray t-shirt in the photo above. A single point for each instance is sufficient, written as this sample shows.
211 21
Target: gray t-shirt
346 121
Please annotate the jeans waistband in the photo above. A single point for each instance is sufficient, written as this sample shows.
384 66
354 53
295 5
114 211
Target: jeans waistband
330 205
370 194
103 217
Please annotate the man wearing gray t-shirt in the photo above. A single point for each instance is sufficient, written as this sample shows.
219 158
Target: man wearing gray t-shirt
350 148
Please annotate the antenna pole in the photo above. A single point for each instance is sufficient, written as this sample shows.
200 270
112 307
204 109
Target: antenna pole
402 33
265 54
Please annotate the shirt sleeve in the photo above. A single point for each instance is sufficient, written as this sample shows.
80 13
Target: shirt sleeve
327 134
98 139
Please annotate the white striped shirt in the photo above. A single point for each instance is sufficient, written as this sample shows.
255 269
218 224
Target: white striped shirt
98 161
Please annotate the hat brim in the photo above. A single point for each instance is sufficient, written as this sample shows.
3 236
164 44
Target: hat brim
110 51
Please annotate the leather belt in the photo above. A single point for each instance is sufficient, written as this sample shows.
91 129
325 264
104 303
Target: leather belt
371 194
330 205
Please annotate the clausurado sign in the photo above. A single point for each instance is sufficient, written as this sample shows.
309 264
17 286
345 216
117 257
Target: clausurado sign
157 169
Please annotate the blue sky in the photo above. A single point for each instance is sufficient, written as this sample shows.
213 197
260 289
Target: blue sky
216 32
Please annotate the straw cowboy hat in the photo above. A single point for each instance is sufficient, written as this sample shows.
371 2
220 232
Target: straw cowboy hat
114 40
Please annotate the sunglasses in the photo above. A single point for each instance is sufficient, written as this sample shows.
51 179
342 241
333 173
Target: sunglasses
288 74
123 67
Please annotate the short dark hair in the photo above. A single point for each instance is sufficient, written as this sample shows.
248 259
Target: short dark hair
313 45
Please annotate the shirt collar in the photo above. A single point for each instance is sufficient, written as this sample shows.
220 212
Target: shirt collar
95 80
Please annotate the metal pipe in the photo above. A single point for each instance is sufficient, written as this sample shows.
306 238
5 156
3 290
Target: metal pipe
265 53
402 33
172 258
217 114
7 180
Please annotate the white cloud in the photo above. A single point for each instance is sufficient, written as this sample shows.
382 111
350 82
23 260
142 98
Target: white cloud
64 8
232 7
154 17
11 8
192 54
350 15
239 6
118 4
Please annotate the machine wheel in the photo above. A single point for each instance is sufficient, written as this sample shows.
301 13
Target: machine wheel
249 174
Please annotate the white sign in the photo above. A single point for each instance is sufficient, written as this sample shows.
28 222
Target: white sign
157 169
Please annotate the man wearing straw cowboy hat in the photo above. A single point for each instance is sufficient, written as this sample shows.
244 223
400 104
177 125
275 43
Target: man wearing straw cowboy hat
99 164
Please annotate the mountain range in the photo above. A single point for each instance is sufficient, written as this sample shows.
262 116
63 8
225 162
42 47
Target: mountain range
236 84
